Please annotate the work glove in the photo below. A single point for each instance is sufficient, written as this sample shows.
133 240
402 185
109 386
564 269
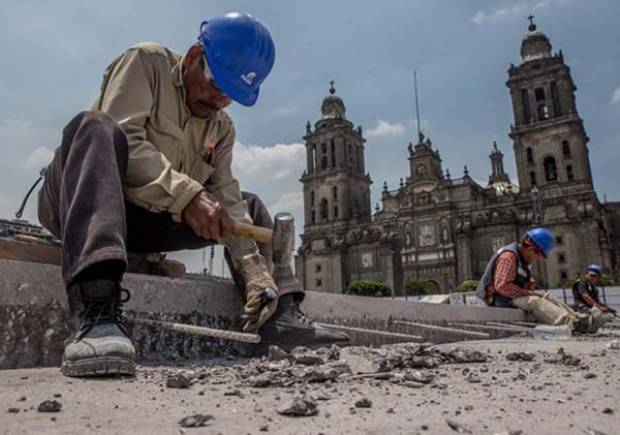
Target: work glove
261 292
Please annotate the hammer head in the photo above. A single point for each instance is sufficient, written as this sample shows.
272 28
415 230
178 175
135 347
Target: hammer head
283 241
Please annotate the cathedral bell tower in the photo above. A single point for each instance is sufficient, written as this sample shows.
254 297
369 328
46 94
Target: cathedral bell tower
550 142
336 188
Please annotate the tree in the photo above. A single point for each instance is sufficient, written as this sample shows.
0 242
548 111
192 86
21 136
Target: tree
417 287
368 287
469 285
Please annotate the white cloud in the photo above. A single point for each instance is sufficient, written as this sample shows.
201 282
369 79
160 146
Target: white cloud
519 8
39 158
385 128
15 123
292 202
273 174
277 163
283 112
498 13
615 99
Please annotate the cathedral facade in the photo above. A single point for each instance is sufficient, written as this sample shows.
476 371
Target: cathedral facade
444 230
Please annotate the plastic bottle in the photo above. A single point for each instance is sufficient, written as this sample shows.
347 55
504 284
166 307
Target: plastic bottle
550 332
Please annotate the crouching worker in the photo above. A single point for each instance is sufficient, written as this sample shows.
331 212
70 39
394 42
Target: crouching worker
585 292
149 169
507 283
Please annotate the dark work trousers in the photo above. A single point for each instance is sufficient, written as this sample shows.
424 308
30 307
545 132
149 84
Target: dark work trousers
82 203
502 301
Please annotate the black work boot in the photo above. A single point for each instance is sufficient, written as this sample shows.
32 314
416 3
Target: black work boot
100 347
290 327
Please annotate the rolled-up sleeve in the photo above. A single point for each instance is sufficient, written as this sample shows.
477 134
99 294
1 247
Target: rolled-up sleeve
151 182
225 188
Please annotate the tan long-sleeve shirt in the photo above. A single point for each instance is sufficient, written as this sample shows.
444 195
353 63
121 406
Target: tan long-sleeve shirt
172 154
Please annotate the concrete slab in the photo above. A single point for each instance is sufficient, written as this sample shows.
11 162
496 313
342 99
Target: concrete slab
33 310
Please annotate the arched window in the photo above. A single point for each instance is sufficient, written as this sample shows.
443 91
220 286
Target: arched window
551 172
525 102
324 156
315 161
312 198
335 192
529 155
324 209
351 156
335 212
333 153
569 173
356 207
533 178
543 112
313 217
566 149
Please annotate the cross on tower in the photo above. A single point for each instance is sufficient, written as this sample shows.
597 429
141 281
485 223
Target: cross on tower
532 26
331 87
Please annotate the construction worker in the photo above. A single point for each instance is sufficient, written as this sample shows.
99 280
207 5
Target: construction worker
149 170
585 293
507 283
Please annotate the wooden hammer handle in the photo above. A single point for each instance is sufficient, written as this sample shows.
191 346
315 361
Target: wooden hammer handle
200 330
247 231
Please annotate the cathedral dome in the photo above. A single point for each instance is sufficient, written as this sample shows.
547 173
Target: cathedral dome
332 106
535 44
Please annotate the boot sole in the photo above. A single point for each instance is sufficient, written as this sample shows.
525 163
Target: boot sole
100 366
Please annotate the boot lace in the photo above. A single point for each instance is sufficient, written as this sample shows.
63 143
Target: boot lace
104 312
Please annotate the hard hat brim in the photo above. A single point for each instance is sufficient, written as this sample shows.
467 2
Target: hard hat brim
246 97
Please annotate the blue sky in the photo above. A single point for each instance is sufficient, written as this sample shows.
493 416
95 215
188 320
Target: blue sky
55 52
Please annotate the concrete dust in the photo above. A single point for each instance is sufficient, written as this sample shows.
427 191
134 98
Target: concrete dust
544 387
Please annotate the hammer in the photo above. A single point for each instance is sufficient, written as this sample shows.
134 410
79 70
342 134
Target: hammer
282 240
283 232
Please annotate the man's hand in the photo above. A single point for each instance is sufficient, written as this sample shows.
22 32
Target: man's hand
208 218
261 292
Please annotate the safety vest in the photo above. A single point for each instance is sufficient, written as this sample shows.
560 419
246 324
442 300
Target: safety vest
523 271
589 288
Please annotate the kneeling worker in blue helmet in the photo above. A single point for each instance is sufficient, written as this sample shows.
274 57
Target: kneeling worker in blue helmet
585 293
148 169
507 283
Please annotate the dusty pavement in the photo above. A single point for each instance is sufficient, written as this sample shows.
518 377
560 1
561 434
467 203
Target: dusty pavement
487 387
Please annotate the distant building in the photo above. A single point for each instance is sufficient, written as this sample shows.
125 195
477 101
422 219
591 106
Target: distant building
444 230
11 228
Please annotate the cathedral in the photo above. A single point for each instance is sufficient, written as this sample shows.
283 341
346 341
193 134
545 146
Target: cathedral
443 229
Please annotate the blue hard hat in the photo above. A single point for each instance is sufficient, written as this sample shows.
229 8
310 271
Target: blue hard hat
543 239
240 54
595 268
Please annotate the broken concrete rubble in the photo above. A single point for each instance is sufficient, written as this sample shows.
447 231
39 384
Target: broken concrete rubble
401 403
299 407
49 406
196 420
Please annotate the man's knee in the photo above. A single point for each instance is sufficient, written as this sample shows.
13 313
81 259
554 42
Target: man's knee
258 211
90 124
